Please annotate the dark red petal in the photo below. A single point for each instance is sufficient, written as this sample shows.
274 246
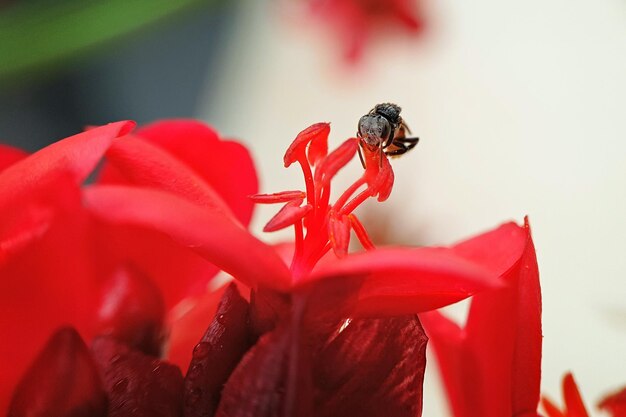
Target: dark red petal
188 326
62 382
574 405
288 215
281 197
372 367
216 355
225 165
615 403
267 309
317 136
258 387
132 311
403 281
144 164
137 385
208 233
10 155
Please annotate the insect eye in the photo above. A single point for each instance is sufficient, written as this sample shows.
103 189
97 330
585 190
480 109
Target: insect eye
385 129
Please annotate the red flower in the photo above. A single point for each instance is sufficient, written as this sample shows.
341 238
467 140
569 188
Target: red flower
59 265
355 21
321 319
575 406
499 349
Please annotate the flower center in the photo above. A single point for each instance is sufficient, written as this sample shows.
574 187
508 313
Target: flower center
327 225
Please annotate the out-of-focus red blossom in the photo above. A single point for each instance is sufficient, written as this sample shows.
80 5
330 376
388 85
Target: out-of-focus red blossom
160 222
615 403
499 349
356 21
574 406
59 265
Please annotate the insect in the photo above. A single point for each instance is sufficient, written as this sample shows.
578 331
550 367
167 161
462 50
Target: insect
383 130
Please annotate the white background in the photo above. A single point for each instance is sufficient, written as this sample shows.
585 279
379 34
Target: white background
521 107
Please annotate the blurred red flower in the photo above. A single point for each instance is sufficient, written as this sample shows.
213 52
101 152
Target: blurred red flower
333 334
615 404
355 21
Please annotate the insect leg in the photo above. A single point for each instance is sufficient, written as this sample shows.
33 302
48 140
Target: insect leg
361 155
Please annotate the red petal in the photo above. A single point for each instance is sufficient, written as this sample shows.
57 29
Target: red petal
10 155
137 384
141 163
287 216
221 163
208 233
62 382
501 345
75 156
216 355
574 405
317 136
34 289
615 403
402 281
258 387
373 367
132 311
37 186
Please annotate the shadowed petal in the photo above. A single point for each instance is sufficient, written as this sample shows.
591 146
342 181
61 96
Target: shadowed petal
62 382
208 233
216 355
373 367
132 311
258 387
137 385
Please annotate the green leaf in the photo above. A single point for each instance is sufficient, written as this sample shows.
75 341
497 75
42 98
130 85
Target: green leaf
38 36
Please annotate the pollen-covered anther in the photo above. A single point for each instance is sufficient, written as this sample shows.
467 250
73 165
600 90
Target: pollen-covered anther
339 233
288 215
336 160
281 197
317 136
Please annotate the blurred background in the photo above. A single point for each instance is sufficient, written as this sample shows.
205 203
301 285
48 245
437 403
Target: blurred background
520 106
